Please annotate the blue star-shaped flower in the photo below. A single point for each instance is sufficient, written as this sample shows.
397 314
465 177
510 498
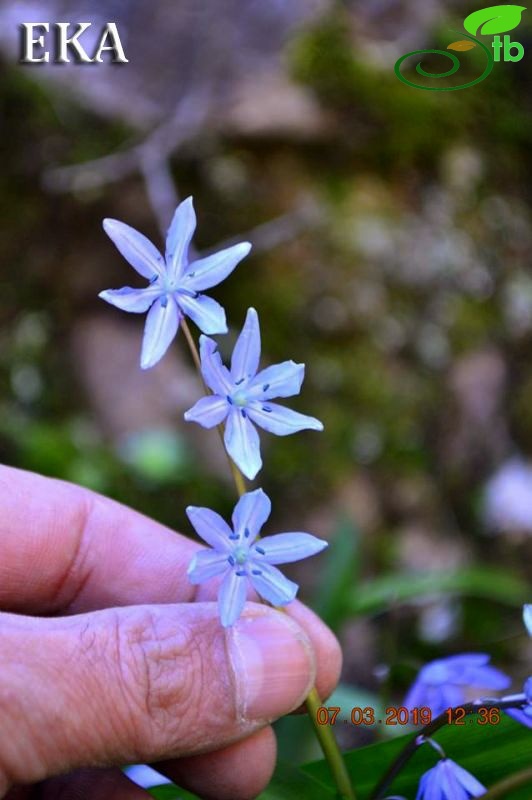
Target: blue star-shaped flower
242 397
241 559
524 715
449 781
175 284
442 684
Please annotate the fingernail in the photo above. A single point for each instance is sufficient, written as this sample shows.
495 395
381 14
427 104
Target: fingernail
273 663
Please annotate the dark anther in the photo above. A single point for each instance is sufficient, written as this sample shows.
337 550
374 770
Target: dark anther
231 561
243 412
154 279
241 573
266 408
164 301
256 572
265 387
246 533
237 383
260 550
229 400
233 535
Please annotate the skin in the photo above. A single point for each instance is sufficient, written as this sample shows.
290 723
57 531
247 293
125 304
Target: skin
109 656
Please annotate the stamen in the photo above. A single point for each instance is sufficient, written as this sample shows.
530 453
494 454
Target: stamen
229 400
243 412
233 535
154 279
265 387
246 533
188 293
267 408
240 573
237 383
256 572
231 561
260 550
164 301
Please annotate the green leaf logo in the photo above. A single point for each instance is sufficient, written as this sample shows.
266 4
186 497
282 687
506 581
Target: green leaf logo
495 19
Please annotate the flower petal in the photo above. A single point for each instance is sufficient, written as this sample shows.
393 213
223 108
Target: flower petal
283 548
246 353
208 315
216 376
279 380
250 514
212 270
179 236
128 299
211 527
209 411
280 420
520 716
161 327
416 696
527 616
207 564
232 598
272 585
136 248
242 443
466 780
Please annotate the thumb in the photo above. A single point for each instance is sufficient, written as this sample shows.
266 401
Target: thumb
141 683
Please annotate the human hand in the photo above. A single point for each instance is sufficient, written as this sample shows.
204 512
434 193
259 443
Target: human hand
118 665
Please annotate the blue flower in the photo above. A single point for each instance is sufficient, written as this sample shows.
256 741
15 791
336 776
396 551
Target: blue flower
448 781
174 283
241 559
524 715
442 684
242 397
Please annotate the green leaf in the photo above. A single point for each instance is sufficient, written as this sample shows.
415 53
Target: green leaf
291 783
495 19
339 573
489 752
379 594
170 792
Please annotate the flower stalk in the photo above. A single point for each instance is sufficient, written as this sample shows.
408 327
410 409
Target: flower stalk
324 733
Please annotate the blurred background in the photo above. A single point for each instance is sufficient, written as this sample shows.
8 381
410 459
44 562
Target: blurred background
392 233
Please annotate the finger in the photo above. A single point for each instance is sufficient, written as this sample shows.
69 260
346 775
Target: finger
92 784
142 684
326 648
62 547
238 772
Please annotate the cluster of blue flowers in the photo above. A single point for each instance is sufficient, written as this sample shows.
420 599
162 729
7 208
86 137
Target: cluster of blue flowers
240 398
443 684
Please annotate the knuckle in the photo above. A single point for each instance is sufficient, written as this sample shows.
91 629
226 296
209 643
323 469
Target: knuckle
160 668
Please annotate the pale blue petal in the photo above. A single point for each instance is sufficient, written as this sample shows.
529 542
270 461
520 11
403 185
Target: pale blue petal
211 527
212 270
443 697
489 678
283 548
280 380
242 443
161 327
246 354
208 315
527 616
416 696
216 376
250 514
136 248
134 300
209 411
465 779
207 564
178 238
520 716
280 420
423 785
272 585
232 598
527 688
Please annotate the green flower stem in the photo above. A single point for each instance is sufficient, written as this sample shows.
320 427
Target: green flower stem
502 788
324 733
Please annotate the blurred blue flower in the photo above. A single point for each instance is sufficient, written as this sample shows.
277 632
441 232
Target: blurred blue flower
523 715
242 396
443 683
241 559
448 781
174 283
527 617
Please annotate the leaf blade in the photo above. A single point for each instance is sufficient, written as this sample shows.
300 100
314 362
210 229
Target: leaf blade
495 19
